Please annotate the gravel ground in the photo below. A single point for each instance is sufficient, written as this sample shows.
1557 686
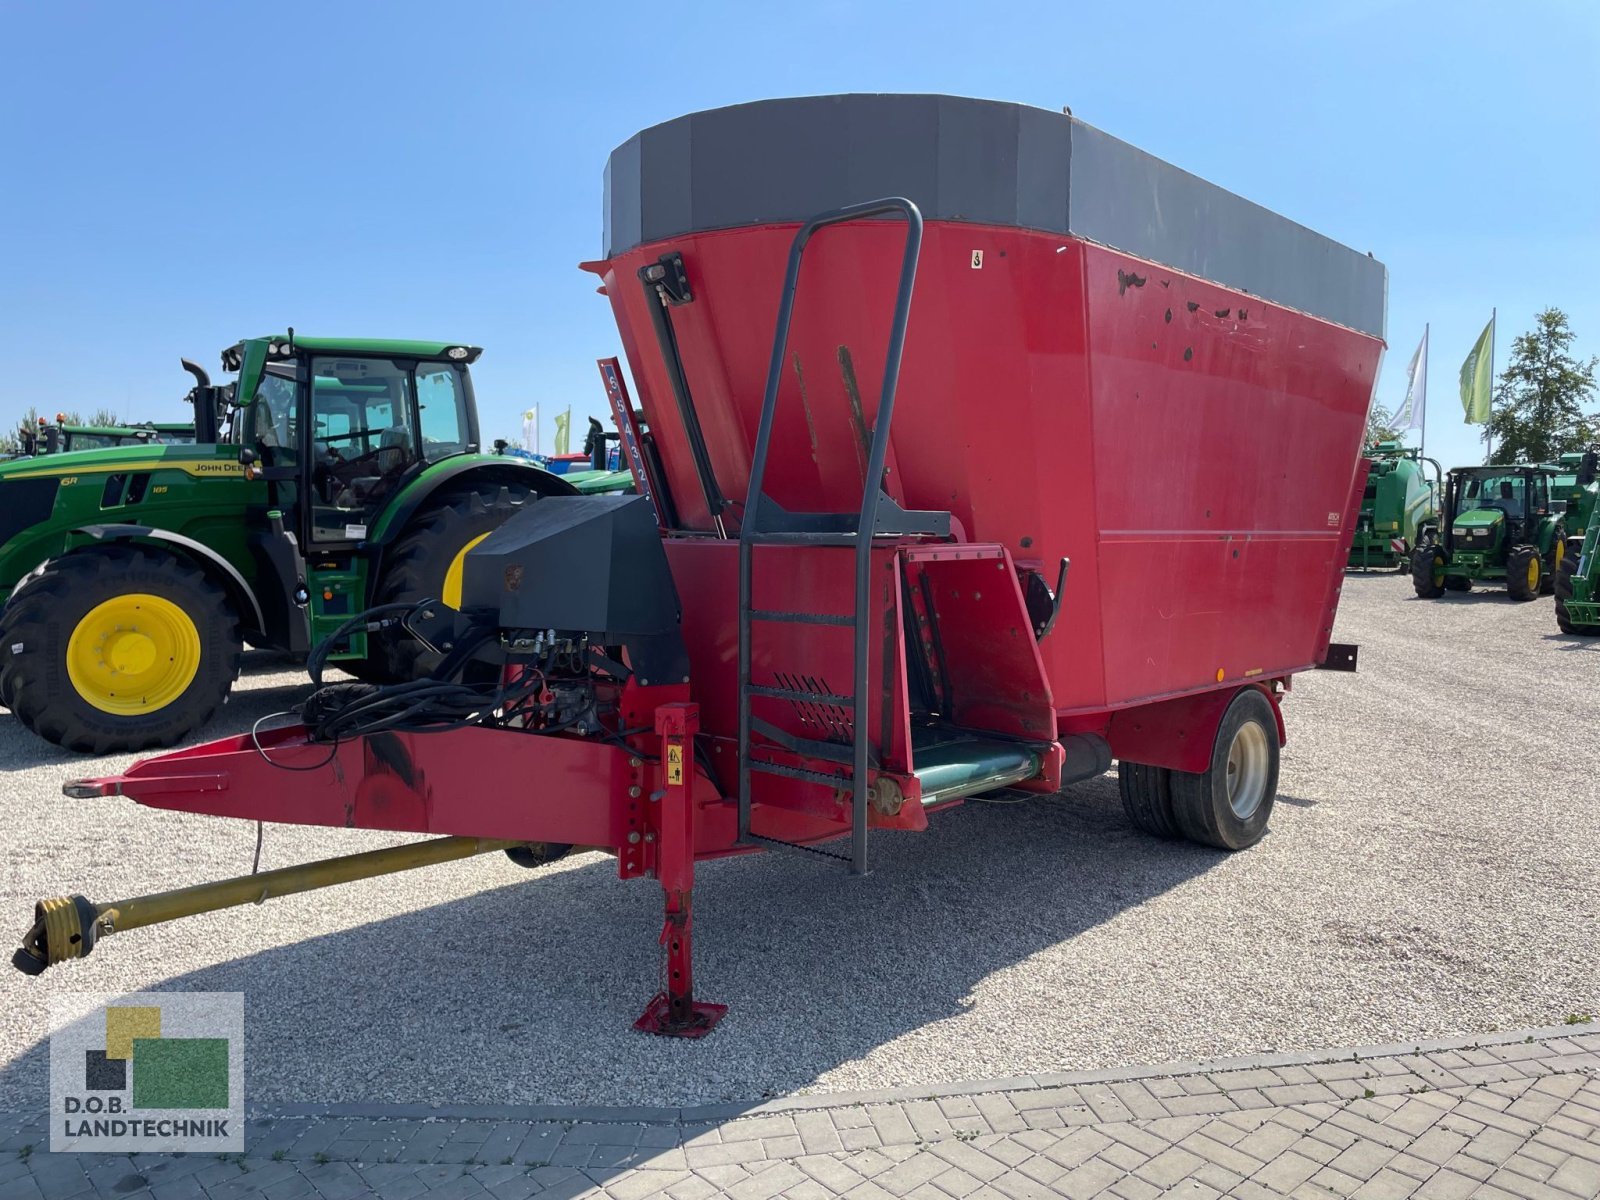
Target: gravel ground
1433 867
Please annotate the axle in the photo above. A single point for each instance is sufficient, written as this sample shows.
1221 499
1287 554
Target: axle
66 927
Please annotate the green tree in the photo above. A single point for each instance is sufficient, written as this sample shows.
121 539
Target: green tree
1540 400
1380 425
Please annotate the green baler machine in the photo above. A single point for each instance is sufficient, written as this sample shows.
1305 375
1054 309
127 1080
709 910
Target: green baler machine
1400 510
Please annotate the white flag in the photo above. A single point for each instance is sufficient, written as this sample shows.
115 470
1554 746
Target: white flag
1409 414
530 429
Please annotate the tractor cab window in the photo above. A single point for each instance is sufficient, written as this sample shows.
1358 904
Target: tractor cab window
442 405
1504 493
275 420
363 440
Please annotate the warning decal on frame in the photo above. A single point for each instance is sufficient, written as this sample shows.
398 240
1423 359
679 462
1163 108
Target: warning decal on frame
674 765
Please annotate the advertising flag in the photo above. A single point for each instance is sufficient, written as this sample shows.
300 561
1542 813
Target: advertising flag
1477 377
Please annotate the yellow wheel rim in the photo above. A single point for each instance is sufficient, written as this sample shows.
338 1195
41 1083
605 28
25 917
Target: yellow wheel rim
1438 572
451 593
133 654
1561 553
1533 573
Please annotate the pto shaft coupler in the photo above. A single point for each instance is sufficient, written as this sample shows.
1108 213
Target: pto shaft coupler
67 927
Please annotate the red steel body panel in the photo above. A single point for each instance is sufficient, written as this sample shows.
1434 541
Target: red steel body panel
1193 450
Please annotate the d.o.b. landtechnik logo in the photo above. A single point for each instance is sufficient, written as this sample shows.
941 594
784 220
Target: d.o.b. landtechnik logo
157 1071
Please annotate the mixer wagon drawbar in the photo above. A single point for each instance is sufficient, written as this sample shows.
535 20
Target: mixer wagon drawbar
847 595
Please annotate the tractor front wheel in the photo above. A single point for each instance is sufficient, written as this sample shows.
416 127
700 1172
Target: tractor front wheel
1228 804
118 648
1147 798
1524 573
1427 571
1573 551
427 563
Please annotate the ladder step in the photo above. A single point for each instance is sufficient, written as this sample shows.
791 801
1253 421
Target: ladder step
810 747
788 772
800 618
803 537
778 693
780 844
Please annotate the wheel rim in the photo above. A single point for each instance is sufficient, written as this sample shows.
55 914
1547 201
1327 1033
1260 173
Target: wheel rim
1248 759
1438 573
1533 573
1560 553
133 654
451 593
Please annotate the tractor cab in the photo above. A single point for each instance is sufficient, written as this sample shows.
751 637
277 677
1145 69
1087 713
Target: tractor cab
339 429
1491 506
1576 488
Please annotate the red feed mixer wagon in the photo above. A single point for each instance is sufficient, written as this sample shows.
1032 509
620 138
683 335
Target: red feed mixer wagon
975 449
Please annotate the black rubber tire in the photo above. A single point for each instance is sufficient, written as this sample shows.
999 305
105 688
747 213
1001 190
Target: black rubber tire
1147 798
1200 802
42 614
1517 563
1423 559
416 564
1563 589
1553 560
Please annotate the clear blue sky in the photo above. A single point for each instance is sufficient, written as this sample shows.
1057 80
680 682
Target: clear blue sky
175 176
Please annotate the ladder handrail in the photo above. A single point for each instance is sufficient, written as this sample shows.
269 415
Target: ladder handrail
871 493
891 370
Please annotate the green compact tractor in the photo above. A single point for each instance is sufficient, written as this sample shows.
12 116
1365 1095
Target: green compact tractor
1400 510
1578 581
329 477
1497 523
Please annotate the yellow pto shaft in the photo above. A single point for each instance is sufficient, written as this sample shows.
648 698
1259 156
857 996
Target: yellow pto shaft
66 927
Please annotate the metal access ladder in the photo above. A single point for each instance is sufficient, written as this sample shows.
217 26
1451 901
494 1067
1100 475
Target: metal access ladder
768 524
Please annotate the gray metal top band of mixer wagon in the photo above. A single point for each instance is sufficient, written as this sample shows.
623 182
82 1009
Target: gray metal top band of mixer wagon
982 161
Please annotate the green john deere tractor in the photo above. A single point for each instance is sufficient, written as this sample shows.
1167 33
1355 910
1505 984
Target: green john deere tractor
330 476
60 437
1578 582
1400 510
1496 523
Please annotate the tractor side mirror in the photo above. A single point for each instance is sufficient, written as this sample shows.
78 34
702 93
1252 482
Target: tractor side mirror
247 460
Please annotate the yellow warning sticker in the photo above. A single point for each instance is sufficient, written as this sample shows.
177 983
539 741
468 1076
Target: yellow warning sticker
674 766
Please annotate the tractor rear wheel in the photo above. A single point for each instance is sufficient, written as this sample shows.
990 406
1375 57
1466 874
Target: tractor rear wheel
1563 588
1427 571
1147 798
1228 804
1553 559
426 563
118 648
1524 573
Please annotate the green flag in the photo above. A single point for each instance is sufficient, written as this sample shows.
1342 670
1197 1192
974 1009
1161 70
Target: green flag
1477 377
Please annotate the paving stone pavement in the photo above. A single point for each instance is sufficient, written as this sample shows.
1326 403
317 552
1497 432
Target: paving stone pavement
1502 1115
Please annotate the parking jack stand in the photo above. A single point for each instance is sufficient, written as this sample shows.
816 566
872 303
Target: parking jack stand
674 1012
